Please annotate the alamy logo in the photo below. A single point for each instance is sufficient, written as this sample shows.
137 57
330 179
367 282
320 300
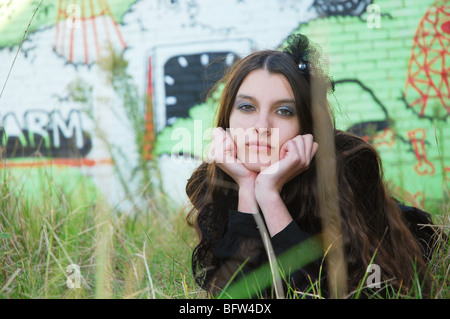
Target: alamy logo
74 277
374 18
73 13
374 278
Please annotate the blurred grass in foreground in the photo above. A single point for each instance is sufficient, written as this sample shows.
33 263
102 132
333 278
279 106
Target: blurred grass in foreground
146 255
118 255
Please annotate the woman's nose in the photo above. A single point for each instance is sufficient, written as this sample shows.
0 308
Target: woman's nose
262 124
262 130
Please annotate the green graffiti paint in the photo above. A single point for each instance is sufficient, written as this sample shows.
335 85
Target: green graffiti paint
371 68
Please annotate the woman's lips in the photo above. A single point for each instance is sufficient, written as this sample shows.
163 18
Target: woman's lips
256 146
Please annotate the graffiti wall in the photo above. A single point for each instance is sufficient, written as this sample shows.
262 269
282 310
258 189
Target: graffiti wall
58 108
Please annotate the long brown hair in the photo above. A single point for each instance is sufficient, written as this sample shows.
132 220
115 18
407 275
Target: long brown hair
371 222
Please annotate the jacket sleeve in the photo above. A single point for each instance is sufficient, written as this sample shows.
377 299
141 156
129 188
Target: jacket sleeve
241 251
421 226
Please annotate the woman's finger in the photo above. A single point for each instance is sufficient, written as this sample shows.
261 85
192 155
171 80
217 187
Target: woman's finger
300 143
315 147
292 151
309 142
216 153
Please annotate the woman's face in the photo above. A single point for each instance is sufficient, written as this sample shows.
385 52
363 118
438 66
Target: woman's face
263 118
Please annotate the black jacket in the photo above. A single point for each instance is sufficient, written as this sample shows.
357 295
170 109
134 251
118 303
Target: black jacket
241 252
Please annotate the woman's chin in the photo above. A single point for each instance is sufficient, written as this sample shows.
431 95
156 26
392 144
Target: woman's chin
257 167
257 162
254 167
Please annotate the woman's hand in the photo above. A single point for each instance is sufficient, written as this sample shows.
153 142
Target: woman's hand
223 153
295 156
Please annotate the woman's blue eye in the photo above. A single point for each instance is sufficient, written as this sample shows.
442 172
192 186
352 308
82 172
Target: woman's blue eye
285 111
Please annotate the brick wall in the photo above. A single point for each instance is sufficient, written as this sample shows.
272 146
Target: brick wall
393 76
387 89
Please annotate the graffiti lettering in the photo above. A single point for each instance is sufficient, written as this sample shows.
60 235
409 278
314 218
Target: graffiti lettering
47 134
37 122
68 129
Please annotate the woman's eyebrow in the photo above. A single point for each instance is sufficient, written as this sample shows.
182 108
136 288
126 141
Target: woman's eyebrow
245 97
286 101
248 97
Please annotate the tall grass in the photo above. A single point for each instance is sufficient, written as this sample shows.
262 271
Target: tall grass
48 229
145 255
119 256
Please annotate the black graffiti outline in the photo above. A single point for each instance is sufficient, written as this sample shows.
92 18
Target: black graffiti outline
360 128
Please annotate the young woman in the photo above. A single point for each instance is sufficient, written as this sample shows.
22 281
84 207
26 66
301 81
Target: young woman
263 160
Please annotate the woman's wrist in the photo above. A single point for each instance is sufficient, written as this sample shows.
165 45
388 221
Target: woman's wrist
264 192
246 198
246 183
275 213
267 196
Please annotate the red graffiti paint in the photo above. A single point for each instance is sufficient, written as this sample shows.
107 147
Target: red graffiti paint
384 138
427 88
447 174
149 137
79 23
57 162
445 27
419 199
423 166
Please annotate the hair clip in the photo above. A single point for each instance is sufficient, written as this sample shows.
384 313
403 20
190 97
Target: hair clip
302 66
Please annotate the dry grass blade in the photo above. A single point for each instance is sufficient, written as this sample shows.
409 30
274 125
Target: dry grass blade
278 287
328 194
18 49
150 280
